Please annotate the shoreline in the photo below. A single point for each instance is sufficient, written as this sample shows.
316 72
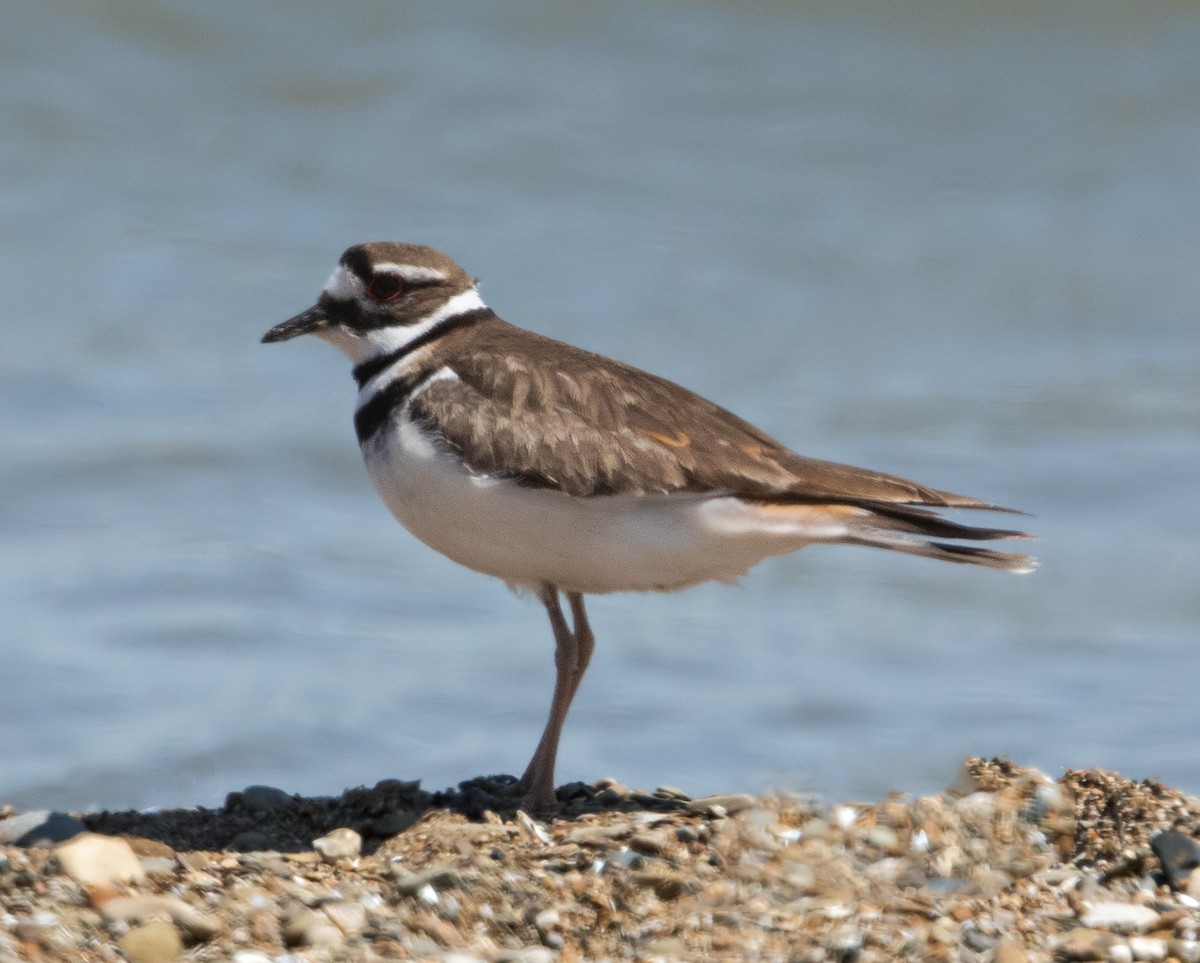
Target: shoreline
1007 865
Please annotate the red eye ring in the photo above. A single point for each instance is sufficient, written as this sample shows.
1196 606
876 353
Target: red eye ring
385 286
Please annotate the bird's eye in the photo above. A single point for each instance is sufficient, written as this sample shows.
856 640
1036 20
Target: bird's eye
385 286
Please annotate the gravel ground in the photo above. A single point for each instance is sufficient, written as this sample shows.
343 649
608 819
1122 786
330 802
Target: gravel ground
1007 865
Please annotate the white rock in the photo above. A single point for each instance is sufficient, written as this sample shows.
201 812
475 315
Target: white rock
843 816
91 860
532 829
1122 917
1147 948
340 844
350 918
1119 953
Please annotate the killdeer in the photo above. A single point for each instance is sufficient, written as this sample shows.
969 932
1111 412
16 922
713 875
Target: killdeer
564 472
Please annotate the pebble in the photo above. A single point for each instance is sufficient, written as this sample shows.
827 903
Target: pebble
340 844
780 878
148 906
439 877
1122 917
155 942
1147 948
94 860
251 956
1179 856
724 805
305 927
527 954
350 918
1082 943
40 827
1120 953
1010 952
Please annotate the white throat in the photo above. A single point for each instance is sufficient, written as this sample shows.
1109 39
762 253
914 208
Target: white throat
360 346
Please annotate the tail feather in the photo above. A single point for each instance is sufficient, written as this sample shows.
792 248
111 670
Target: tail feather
915 531
922 521
947 552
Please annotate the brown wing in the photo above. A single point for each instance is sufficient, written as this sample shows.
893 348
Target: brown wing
557 416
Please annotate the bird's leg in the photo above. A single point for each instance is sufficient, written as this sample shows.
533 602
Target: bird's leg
572 652
585 642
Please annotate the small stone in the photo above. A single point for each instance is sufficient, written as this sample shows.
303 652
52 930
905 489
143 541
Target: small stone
155 942
94 860
1191 885
1186 951
159 865
653 843
259 799
1010 952
196 861
1179 855
1147 948
531 829
722 805
350 918
151 906
626 859
1084 944
547 920
883 837
250 956
1120 953
527 954
40 827
305 927
666 885
436 877
975 939
342 843
602 836
1121 917
844 941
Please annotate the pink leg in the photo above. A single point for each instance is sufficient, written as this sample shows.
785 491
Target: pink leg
572 652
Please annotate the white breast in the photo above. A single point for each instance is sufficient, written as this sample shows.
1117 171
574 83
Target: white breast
529 536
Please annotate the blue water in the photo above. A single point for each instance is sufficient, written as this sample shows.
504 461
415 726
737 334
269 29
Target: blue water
961 244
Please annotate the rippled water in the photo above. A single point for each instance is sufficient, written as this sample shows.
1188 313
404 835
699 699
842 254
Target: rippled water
956 243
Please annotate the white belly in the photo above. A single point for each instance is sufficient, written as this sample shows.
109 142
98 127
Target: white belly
529 536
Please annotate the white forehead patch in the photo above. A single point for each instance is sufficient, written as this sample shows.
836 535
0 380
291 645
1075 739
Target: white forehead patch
345 285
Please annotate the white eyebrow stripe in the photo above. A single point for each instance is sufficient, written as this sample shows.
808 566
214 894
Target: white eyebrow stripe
411 272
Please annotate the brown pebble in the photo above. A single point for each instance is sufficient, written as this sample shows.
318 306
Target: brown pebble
1084 944
1011 951
155 942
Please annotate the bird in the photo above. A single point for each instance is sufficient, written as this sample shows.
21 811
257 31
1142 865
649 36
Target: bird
567 473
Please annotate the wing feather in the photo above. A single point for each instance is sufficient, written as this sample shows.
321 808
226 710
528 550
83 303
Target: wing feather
557 416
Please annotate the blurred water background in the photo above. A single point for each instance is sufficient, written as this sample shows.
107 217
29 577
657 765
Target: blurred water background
956 242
